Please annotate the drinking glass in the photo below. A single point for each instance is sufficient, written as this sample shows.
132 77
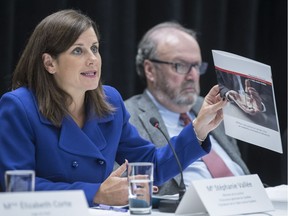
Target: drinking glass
19 180
140 179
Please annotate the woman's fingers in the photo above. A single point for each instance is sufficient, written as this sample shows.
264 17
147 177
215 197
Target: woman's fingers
120 170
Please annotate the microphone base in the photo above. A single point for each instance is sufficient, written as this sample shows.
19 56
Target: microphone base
168 205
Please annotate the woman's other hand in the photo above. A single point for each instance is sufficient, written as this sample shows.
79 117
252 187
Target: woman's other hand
114 190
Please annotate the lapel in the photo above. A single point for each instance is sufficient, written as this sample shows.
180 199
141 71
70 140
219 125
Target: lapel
88 141
149 110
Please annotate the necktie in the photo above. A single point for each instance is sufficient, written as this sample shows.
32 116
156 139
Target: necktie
213 161
184 119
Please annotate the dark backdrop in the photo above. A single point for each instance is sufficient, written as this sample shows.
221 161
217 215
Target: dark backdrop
256 29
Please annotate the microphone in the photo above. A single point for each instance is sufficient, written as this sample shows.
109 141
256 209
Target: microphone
170 205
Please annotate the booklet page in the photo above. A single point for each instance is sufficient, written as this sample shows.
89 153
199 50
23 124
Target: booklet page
251 113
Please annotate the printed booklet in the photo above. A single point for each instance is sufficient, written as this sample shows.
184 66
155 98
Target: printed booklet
251 113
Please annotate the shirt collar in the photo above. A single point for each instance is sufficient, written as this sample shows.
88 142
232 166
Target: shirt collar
170 118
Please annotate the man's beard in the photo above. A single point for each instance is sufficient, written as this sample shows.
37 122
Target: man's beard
186 100
179 96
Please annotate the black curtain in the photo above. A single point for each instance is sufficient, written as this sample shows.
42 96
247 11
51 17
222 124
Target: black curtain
256 29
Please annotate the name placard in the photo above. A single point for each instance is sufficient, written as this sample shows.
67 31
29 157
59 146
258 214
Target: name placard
225 196
40 203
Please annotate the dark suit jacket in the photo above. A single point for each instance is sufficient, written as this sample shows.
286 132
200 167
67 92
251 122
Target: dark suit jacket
142 109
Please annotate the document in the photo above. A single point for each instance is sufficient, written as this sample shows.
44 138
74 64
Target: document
236 195
44 203
98 212
251 114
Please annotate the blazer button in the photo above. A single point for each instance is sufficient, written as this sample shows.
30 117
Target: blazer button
75 164
101 162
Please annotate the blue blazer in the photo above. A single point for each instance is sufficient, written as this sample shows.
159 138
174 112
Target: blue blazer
70 157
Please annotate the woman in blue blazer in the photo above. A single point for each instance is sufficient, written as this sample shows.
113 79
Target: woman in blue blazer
61 122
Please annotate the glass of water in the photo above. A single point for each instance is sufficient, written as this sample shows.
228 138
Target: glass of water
140 179
19 180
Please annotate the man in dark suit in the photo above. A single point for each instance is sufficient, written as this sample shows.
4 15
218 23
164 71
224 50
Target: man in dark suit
169 62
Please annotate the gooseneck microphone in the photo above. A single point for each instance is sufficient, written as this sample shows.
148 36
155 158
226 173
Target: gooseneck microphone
170 205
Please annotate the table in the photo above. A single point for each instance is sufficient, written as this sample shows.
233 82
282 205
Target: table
278 196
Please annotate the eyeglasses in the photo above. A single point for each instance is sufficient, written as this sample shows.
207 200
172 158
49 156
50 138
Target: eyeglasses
184 68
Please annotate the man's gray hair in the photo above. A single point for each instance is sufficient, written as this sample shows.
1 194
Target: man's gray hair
147 46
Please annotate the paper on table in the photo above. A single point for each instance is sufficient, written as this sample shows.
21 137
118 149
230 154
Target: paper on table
279 197
101 212
278 193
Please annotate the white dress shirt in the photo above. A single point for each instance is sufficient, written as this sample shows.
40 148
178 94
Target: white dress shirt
197 170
